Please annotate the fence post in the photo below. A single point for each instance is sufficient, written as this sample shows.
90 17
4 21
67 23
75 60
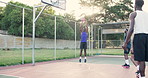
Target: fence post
92 39
98 39
55 38
23 37
101 39
33 39
75 37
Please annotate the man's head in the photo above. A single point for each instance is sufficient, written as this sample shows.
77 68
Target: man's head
139 4
126 30
84 29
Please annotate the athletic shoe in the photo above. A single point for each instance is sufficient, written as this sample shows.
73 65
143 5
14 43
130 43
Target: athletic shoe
80 60
85 60
126 66
138 74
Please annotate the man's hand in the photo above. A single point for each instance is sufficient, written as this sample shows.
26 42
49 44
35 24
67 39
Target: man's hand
132 51
124 46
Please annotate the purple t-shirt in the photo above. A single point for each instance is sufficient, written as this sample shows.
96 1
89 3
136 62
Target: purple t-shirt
83 37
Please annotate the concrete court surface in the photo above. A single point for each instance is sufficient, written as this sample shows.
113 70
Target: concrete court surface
94 68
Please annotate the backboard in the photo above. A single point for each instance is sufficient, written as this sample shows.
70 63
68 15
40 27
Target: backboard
56 3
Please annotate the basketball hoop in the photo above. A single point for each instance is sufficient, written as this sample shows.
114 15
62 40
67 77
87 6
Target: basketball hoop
56 3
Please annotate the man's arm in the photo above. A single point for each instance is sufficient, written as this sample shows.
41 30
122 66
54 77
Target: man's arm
80 28
86 29
131 29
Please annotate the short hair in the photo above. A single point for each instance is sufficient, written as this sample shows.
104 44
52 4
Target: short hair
126 29
139 3
83 29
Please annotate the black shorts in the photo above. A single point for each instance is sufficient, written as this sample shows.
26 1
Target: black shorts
83 45
127 51
140 43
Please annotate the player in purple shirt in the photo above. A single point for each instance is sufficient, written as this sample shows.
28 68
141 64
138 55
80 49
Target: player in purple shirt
83 44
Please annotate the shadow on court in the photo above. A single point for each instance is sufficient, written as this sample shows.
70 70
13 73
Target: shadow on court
96 67
103 59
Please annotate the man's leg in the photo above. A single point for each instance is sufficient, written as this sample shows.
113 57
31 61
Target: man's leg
126 65
133 61
80 55
136 63
81 52
126 56
142 68
85 55
126 59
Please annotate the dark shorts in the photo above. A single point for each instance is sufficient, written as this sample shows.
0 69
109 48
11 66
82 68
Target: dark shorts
83 45
127 51
140 43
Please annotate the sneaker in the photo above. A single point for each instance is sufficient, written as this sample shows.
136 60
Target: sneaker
80 60
138 74
85 60
126 66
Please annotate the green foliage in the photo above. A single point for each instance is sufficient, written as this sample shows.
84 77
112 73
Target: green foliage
118 12
12 22
1 14
63 28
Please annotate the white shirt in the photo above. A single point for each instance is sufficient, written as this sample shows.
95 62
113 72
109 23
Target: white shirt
141 22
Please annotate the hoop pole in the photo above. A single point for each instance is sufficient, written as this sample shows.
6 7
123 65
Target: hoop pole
23 37
33 35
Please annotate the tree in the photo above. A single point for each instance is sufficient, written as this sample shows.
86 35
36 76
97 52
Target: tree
70 19
1 14
110 10
119 12
12 22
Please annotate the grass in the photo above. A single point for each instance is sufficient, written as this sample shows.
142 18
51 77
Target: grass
14 56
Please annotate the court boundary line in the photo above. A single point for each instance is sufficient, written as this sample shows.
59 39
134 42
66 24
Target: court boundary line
11 75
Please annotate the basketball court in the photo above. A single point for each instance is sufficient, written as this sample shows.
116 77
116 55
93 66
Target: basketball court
100 66
96 67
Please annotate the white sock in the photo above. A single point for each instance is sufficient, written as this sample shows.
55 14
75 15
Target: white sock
142 77
85 57
127 62
80 57
137 67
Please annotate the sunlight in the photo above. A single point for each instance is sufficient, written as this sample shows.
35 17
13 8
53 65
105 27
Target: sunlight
72 6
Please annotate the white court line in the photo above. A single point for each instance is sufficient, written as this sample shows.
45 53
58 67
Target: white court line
11 75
